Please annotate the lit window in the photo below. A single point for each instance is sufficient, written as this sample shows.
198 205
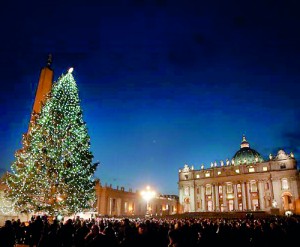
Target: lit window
230 196
207 174
237 170
265 168
219 172
251 169
197 176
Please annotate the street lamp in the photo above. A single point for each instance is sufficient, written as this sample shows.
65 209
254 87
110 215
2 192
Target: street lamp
148 194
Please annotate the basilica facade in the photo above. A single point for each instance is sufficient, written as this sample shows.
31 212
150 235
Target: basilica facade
247 182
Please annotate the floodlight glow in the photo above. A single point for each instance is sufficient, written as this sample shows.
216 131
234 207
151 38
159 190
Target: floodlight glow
148 194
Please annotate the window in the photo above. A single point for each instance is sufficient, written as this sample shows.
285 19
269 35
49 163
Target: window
219 172
208 189
253 187
239 188
265 168
284 184
207 174
237 170
229 188
282 166
251 169
220 189
197 176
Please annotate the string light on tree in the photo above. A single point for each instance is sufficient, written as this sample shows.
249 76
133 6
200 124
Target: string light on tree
53 171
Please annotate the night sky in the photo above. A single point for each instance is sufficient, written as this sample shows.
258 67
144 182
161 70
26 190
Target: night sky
162 83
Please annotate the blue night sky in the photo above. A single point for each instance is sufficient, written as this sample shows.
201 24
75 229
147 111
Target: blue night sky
162 83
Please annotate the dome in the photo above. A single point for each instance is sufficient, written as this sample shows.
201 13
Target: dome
246 155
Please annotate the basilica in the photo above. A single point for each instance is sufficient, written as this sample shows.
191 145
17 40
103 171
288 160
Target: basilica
247 182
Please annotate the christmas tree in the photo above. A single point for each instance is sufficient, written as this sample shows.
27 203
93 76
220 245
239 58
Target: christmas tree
53 171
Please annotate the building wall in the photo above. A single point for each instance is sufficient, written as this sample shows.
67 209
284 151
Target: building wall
119 202
252 187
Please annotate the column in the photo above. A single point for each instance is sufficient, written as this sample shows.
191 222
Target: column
224 198
203 203
195 197
110 206
248 195
236 205
217 197
261 192
213 197
244 196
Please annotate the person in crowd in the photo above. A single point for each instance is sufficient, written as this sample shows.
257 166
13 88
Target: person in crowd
175 239
7 235
80 234
66 233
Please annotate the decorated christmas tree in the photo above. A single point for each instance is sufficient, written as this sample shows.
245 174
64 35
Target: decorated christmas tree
53 171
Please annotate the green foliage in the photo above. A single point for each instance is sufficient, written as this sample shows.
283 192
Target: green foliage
53 171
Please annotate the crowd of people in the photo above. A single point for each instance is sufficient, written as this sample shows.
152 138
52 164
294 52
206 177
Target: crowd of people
158 232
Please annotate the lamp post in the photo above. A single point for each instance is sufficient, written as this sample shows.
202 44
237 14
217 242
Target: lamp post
148 194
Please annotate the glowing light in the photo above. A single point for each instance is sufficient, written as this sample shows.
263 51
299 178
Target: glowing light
148 194
59 198
70 70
